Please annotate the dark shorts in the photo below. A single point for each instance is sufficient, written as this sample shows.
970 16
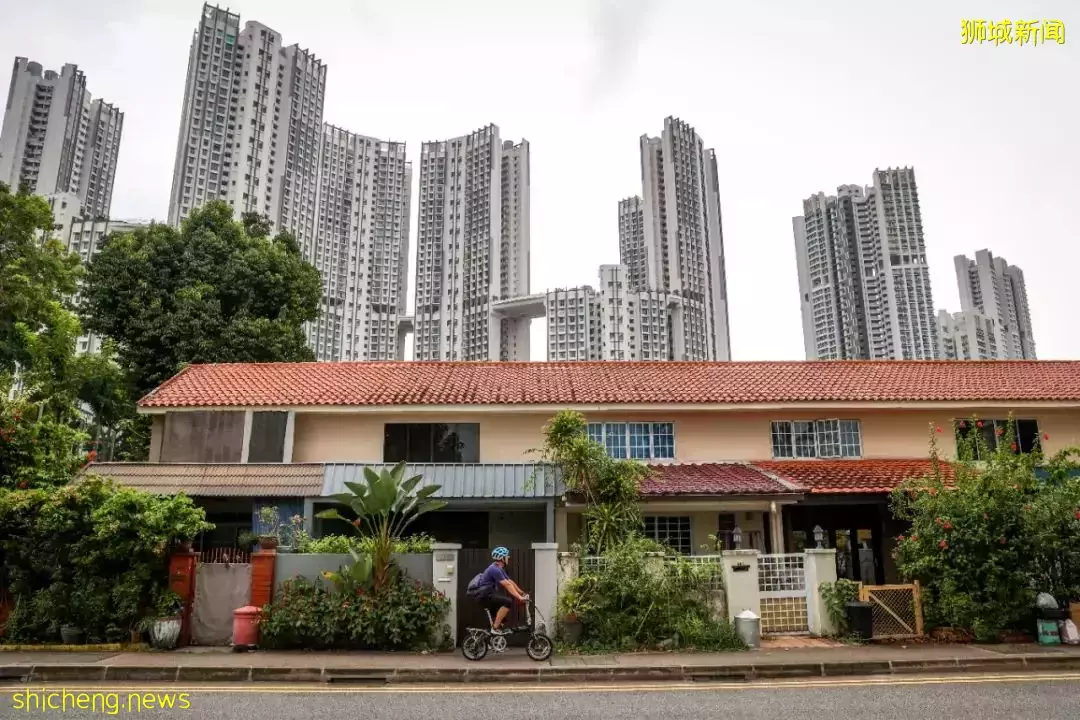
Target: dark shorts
497 599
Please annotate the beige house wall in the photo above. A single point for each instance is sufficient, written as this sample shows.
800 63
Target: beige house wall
699 436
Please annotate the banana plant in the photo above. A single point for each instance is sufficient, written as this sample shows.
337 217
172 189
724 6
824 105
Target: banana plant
349 578
385 504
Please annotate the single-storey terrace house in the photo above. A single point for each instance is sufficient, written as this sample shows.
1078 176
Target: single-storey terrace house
765 451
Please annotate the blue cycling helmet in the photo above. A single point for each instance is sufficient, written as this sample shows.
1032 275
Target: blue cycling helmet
500 553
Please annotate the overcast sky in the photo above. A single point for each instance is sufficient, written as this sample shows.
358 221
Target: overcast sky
796 97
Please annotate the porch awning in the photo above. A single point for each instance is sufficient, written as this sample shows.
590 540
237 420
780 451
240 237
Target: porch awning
715 479
844 477
217 480
482 481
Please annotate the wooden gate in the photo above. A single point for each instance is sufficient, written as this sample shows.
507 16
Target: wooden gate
897 610
521 570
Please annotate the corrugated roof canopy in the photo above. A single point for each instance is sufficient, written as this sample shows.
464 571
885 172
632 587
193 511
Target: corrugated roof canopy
218 480
486 481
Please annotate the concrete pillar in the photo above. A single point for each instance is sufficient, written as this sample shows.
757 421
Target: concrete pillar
290 434
182 582
568 568
262 577
249 416
654 563
444 577
546 582
741 582
562 534
549 521
820 568
776 529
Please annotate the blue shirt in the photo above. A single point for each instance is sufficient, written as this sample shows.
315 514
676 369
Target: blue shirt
494 575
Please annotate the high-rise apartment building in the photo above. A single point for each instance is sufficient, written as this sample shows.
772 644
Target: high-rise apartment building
632 242
361 247
252 134
991 287
616 322
671 239
251 125
472 248
968 335
864 281
56 138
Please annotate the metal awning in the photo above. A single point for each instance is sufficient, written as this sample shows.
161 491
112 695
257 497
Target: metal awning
520 481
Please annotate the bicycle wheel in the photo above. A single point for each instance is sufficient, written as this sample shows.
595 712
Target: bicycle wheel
475 646
539 647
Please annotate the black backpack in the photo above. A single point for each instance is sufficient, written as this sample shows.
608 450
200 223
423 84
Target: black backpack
476 589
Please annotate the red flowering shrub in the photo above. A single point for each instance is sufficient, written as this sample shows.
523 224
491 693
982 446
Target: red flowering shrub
986 539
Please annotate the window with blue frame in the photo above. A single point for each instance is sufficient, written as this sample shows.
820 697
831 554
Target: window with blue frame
635 440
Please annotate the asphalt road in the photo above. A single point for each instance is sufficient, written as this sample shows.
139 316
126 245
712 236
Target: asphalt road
981 698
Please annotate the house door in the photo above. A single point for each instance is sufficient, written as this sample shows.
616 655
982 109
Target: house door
521 570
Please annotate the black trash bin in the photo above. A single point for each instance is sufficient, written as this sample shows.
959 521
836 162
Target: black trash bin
860 618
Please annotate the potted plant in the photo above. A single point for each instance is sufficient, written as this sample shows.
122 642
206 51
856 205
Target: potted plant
165 623
71 635
569 621
247 539
270 527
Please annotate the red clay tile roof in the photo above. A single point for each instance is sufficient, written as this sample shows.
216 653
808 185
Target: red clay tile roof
714 479
613 383
849 476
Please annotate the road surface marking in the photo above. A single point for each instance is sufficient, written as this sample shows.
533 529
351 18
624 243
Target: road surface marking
609 687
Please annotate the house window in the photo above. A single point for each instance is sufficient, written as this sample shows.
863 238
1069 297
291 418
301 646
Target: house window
432 443
671 530
993 432
636 440
267 441
816 439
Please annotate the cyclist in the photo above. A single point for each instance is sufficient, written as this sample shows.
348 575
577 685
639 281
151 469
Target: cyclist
493 588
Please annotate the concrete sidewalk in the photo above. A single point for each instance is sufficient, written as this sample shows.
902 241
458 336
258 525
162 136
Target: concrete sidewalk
220 665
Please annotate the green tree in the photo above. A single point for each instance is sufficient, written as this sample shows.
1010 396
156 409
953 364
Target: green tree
218 290
42 411
38 278
609 487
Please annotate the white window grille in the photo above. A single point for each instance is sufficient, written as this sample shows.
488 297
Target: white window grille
816 439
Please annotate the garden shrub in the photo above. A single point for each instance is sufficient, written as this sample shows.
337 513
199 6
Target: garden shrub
837 595
636 600
405 615
340 544
90 554
986 537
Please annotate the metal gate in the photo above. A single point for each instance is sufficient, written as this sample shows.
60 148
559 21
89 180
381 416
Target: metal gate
782 585
221 587
897 610
521 570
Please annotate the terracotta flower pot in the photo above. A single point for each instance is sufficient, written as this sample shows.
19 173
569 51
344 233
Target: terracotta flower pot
268 542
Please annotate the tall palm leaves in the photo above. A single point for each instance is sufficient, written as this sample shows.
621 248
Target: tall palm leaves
385 504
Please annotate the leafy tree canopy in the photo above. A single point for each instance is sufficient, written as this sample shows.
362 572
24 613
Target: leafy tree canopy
218 290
